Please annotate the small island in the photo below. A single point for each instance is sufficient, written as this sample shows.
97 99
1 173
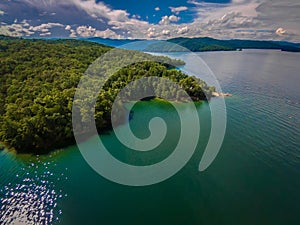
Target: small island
38 80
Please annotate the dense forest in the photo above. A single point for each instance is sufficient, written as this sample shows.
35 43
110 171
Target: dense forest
38 79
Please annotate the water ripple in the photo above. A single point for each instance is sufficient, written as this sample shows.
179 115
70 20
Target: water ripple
32 198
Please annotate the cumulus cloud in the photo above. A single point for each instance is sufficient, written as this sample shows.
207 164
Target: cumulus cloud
24 29
262 17
89 31
117 18
182 30
68 27
174 18
15 30
166 20
73 34
284 14
212 11
151 32
166 32
232 20
177 10
107 34
255 19
85 31
25 23
136 16
45 34
45 27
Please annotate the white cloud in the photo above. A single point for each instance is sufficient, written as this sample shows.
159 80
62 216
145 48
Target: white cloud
107 34
277 13
68 27
45 26
182 30
166 20
15 30
25 23
255 19
152 34
232 20
174 18
263 17
45 34
211 11
1 12
24 29
89 31
179 9
85 31
119 18
136 16
44 30
166 32
73 34
151 29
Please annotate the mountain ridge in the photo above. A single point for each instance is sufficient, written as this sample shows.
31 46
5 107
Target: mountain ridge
196 44
200 44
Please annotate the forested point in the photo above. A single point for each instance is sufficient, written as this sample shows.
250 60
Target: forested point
38 81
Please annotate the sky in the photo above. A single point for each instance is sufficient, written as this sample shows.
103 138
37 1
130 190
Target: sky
152 19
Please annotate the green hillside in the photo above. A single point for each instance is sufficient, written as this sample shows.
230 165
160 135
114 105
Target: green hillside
210 44
38 79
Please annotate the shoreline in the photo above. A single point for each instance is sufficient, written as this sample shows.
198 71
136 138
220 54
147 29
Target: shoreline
6 147
221 94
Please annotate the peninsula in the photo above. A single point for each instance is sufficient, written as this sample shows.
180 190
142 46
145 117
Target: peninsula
38 79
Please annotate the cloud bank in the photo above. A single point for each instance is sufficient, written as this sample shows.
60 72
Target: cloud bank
245 19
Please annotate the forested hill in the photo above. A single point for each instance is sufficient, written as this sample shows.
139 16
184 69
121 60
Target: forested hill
210 44
38 79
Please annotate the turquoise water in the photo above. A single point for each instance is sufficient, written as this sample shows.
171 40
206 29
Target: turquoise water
254 179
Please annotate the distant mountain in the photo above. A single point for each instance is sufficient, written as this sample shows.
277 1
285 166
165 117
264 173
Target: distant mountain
130 44
190 44
210 44
196 44
4 37
108 42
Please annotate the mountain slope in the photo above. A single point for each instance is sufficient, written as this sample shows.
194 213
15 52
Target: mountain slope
210 44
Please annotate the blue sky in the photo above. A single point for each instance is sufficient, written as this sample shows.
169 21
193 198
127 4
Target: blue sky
152 19
153 10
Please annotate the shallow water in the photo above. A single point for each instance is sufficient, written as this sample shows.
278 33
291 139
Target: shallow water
254 179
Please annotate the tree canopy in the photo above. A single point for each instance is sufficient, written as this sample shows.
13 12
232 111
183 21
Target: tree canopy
38 80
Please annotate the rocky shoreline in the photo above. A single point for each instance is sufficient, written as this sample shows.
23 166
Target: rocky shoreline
220 94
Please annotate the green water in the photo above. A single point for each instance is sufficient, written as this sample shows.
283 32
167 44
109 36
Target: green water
254 179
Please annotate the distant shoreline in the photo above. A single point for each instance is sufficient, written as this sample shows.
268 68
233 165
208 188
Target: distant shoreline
198 44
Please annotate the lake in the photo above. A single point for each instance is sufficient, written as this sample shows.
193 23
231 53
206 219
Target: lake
255 178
